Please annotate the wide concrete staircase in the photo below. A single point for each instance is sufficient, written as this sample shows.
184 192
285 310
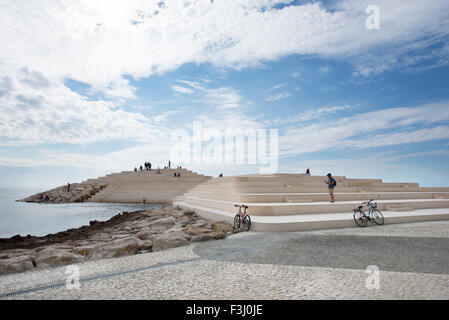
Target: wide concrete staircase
294 202
134 187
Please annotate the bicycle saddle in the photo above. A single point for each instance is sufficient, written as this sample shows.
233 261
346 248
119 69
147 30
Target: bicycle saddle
360 207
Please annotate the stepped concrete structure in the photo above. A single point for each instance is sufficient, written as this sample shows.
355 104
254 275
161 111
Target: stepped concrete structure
148 186
295 202
277 202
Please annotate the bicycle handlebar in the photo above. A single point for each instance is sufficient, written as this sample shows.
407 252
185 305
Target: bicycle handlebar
236 205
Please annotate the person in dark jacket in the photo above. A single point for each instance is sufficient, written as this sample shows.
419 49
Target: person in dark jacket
331 183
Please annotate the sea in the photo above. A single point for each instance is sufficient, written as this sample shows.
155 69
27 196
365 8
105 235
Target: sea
40 219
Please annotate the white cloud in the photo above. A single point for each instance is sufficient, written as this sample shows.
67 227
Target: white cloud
181 89
371 129
101 42
312 114
278 86
105 44
35 110
222 98
194 84
277 97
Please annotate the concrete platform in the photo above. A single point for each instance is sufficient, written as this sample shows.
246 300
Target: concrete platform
305 222
288 208
277 202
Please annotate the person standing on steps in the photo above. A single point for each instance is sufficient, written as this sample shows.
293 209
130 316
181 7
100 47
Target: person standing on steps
331 183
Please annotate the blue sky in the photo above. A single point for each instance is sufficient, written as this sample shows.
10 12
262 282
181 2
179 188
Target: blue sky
92 88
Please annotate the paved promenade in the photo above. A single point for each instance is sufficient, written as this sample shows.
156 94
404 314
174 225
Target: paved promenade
412 260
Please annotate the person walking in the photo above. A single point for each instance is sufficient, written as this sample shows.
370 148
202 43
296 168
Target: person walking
331 183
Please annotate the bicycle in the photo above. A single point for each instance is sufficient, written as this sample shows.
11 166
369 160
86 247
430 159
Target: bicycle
374 215
242 218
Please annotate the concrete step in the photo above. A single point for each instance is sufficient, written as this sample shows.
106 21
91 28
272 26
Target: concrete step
312 197
285 208
307 222
206 187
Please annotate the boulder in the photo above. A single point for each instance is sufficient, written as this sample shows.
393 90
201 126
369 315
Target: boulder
214 235
170 240
139 225
56 257
222 226
165 222
84 250
188 212
193 231
145 234
16 264
199 223
115 248
177 214
145 245
100 236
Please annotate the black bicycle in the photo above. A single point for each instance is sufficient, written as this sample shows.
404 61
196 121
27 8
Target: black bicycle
374 215
242 218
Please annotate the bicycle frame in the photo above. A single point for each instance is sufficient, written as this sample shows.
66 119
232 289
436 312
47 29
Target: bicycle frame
242 214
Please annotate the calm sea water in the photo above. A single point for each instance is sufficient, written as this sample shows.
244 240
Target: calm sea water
40 219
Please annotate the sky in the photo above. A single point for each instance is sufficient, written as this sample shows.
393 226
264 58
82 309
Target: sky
356 88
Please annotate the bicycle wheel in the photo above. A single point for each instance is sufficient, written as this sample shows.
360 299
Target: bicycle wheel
378 217
360 219
236 221
246 223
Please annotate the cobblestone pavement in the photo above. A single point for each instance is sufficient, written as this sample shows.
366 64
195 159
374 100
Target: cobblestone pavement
412 259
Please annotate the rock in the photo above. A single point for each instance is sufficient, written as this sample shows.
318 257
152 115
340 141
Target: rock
121 235
199 223
193 231
177 214
17 237
102 236
166 222
158 229
56 257
95 223
188 212
16 264
115 248
169 240
222 226
145 234
84 250
214 235
140 225
145 245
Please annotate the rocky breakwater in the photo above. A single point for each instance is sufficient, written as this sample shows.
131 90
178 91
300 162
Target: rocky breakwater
78 192
127 233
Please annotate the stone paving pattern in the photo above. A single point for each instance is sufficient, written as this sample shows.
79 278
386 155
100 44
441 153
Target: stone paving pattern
327 264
